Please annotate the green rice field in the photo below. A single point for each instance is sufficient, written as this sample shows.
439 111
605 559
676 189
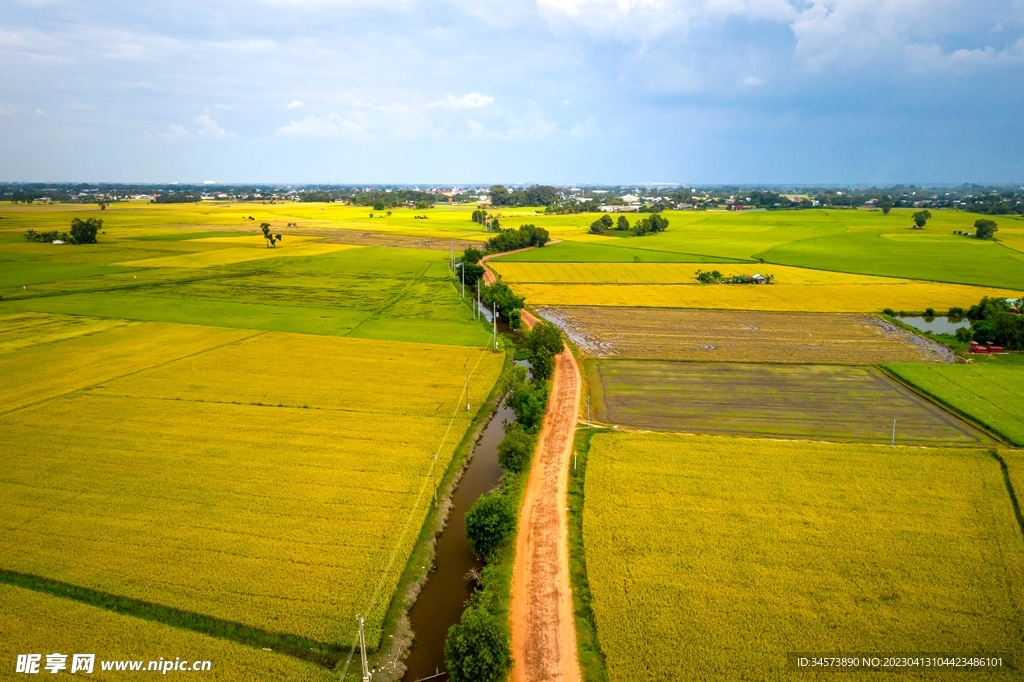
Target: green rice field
991 395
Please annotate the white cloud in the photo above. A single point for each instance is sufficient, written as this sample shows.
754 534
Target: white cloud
472 100
324 127
78 106
753 81
7 111
174 132
588 128
40 112
210 129
295 104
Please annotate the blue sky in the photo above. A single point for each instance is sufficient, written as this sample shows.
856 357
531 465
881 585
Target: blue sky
557 91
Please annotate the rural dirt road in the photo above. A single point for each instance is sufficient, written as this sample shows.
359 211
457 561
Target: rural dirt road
543 630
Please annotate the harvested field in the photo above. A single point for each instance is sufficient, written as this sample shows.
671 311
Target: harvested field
712 558
824 402
274 480
737 336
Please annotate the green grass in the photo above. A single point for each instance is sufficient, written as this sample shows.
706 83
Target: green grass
376 292
712 558
622 252
990 394
940 257
184 236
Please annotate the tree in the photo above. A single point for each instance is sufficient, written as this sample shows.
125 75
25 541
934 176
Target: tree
622 223
499 195
658 223
601 224
84 231
489 522
963 334
472 255
544 342
272 239
515 449
985 228
421 204
921 217
378 205
508 304
476 648
471 273
480 216
526 399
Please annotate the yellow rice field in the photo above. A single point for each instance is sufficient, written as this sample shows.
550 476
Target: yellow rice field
22 330
674 285
272 479
47 368
825 298
31 622
713 558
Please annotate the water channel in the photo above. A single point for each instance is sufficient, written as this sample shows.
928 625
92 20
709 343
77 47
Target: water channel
440 603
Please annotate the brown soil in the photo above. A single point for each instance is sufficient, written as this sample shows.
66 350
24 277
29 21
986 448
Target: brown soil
543 629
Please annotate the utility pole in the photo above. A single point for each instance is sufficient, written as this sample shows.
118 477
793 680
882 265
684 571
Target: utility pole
588 412
494 321
462 276
893 433
362 652
467 393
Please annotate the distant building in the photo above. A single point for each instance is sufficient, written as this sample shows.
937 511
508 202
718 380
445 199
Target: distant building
630 198
620 209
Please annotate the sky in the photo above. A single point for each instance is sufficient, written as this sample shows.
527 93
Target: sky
517 91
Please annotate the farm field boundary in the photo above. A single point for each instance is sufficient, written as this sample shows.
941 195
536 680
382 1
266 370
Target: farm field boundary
592 660
38 622
320 653
985 394
814 402
741 336
752 549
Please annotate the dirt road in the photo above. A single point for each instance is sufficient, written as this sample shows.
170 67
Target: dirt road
543 630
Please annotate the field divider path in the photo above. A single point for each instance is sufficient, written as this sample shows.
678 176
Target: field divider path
543 622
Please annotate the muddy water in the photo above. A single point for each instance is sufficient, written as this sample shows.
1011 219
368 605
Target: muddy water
443 598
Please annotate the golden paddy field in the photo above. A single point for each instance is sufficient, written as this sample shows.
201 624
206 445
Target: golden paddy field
271 479
712 558
31 622
674 285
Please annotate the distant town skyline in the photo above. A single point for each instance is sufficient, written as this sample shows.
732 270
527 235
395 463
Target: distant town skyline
588 92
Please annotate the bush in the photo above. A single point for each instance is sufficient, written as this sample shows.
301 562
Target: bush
890 312
378 205
477 648
601 224
510 240
527 399
955 311
489 522
984 228
964 334
929 312
515 449
508 303
85 231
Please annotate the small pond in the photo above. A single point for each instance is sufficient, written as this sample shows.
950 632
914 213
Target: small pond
936 325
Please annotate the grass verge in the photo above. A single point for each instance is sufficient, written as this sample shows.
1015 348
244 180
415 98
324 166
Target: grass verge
592 662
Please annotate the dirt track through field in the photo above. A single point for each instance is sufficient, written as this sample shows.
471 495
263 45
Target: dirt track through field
543 630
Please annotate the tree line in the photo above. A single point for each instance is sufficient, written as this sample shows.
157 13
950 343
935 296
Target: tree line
82 232
656 223
478 647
